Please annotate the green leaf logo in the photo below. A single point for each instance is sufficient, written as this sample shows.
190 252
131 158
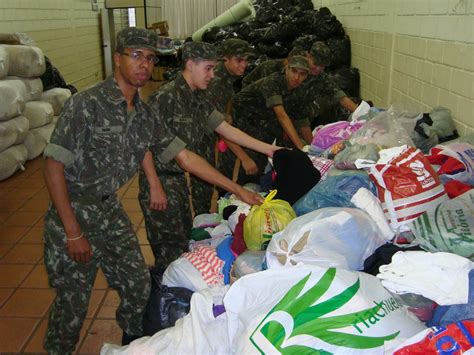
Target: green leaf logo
297 319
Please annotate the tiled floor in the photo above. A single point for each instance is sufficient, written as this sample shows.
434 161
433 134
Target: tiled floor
25 296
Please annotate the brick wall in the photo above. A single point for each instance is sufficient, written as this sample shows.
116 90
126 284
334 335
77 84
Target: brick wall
419 53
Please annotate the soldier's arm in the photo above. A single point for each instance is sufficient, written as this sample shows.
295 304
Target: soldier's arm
158 198
241 138
249 165
287 125
347 103
198 166
77 245
306 133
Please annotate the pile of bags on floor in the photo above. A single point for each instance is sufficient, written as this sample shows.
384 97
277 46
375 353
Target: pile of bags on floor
372 253
27 113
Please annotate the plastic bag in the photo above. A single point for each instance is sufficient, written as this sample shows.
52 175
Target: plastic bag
386 129
335 191
330 237
310 310
165 306
449 227
335 132
443 124
265 220
248 262
454 339
407 184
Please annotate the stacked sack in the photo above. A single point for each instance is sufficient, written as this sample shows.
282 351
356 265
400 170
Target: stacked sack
26 113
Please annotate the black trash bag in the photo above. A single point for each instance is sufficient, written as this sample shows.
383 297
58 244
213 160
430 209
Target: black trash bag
326 25
267 15
277 50
303 5
52 78
340 51
348 79
283 32
256 36
210 34
165 306
305 41
305 21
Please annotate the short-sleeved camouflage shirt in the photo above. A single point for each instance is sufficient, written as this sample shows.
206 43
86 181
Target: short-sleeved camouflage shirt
187 113
221 87
264 69
252 108
101 144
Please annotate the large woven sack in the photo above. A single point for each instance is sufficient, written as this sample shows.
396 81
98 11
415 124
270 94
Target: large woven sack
4 62
12 160
56 97
34 87
25 61
12 98
39 113
13 131
37 139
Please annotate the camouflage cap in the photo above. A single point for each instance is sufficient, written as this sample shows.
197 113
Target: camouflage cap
235 47
297 50
199 51
321 53
298 61
133 37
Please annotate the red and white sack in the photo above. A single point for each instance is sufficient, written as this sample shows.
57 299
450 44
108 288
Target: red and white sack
407 184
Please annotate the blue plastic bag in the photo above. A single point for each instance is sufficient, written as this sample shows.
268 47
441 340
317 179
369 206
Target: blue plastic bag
335 191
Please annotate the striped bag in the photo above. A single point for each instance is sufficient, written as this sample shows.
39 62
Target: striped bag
407 186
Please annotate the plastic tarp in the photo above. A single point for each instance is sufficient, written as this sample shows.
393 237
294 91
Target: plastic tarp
37 139
11 160
56 97
25 61
12 98
39 113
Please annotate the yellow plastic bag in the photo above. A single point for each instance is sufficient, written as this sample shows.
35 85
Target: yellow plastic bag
265 220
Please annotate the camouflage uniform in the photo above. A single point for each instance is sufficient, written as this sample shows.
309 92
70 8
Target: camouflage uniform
264 69
101 146
218 94
189 116
252 112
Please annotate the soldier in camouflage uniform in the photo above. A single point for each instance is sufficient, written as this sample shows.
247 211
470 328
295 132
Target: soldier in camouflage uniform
235 53
182 105
261 108
100 139
272 66
318 89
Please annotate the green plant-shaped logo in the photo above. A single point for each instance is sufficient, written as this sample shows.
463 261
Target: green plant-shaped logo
297 318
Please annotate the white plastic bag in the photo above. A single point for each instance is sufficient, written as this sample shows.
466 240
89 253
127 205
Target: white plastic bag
12 132
181 273
308 309
12 98
34 87
11 160
37 139
56 97
25 61
4 62
199 332
333 236
39 113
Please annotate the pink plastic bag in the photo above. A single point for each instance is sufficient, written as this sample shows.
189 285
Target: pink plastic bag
335 132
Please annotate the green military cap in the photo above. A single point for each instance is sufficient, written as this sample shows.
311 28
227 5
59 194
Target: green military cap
297 50
235 47
199 51
298 61
133 37
321 53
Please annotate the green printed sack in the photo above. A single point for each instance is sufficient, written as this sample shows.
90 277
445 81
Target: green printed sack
449 227
315 310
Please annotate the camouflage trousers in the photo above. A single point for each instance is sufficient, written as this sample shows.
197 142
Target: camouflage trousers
201 193
167 231
115 249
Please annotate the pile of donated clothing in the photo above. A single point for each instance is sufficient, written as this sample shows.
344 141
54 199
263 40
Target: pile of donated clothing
364 245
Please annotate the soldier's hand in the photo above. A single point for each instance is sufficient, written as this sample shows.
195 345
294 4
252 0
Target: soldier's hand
79 249
252 198
158 199
249 166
